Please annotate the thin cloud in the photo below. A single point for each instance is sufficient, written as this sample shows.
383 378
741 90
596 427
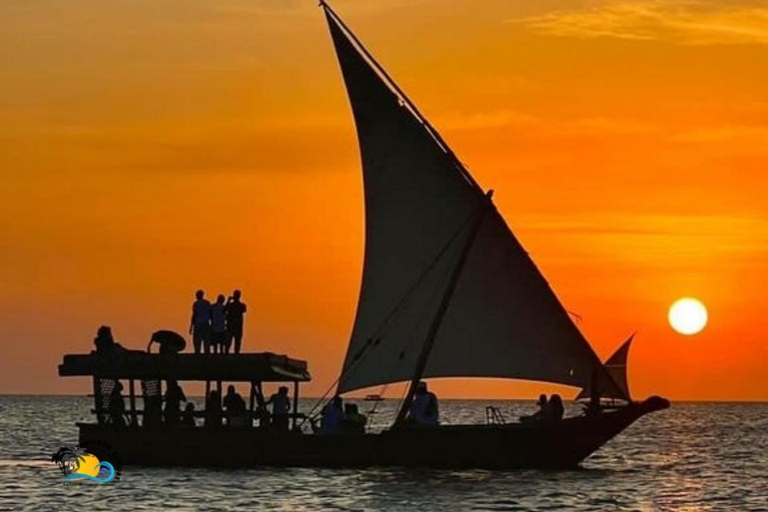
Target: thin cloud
690 23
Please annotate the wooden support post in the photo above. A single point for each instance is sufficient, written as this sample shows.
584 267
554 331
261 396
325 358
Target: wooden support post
97 399
132 391
295 404
251 403
207 389
263 421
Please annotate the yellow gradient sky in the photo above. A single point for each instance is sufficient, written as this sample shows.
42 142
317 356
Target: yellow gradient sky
148 148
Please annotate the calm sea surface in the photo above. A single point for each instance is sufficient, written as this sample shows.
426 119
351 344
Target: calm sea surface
692 457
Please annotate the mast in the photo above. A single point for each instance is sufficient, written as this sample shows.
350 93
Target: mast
421 364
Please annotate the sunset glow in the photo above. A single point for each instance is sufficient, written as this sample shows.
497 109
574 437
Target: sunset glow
151 148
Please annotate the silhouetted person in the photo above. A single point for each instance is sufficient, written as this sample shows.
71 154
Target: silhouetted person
424 408
117 406
331 416
153 411
281 404
218 326
188 418
543 414
261 414
235 309
174 395
556 407
213 409
170 342
353 421
106 344
235 406
545 410
200 325
104 341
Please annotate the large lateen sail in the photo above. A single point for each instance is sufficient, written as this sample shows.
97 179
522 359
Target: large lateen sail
422 211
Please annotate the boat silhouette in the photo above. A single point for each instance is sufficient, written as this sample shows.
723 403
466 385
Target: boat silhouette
447 291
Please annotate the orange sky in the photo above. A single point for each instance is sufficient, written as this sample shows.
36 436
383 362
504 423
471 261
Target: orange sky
149 148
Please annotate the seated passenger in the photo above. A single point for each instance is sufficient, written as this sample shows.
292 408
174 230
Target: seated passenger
188 418
106 344
424 408
174 395
543 414
331 416
117 406
281 404
556 407
353 421
235 406
104 341
153 411
170 342
213 409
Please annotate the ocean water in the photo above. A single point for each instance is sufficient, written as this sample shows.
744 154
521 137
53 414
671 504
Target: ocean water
692 457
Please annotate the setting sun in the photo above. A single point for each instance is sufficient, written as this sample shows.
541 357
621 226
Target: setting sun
688 316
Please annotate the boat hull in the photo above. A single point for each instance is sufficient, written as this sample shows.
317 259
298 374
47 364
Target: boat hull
562 444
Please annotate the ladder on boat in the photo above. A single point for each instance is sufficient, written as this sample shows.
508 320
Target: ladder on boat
494 416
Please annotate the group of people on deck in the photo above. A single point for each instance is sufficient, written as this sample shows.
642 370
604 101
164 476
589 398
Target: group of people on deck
230 411
551 409
340 418
216 327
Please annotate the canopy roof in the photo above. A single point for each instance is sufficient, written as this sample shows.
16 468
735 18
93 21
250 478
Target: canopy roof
263 367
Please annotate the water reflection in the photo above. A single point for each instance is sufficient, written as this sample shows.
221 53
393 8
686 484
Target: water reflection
696 457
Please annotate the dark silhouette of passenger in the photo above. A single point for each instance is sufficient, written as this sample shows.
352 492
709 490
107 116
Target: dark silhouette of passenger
174 395
106 344
213 409
117 406
543 414
281 405
235 309
218 326
170 342
424 408
153 411
188 418
235 407
353 421
261 414
104 341
331 416
200 325
556 407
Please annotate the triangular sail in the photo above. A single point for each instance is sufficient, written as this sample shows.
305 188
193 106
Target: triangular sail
616 366
503 319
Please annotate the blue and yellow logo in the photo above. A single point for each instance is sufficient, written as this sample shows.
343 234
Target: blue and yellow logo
76 463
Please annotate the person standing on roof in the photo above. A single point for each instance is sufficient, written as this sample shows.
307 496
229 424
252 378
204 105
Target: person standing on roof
200 325
235 309
218 325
